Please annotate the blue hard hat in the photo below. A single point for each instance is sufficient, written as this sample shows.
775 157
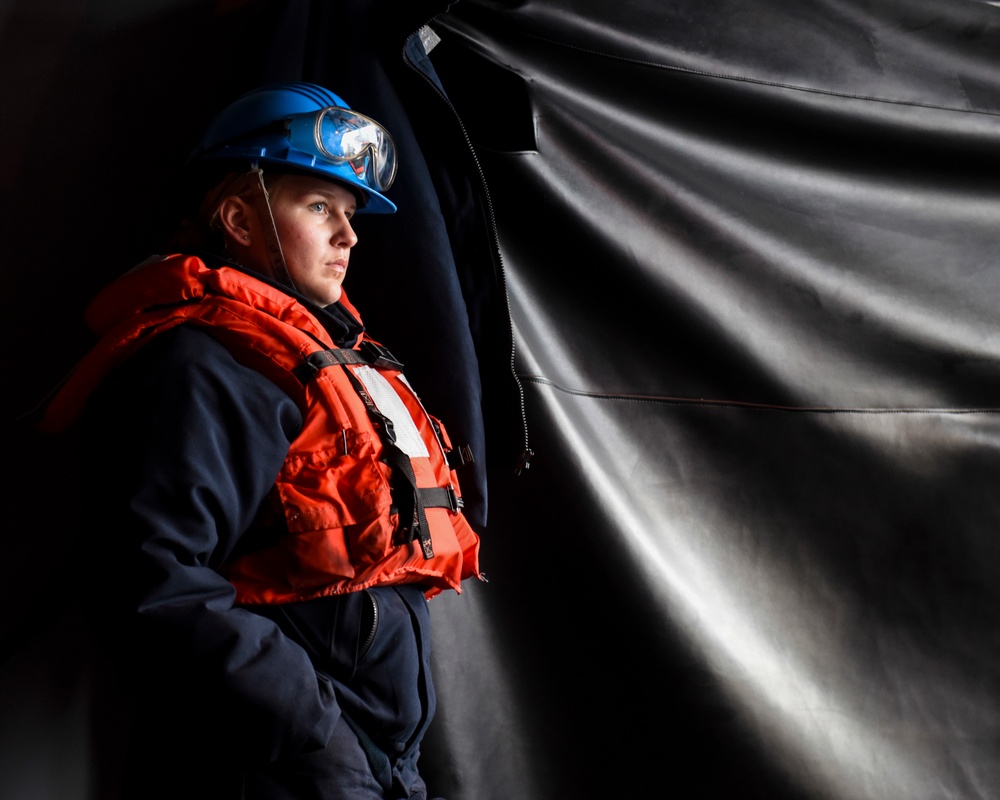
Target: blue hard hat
305 128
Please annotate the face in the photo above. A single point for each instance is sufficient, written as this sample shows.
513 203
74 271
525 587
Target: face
313 218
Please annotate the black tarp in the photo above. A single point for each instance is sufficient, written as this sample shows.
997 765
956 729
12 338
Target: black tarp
750 253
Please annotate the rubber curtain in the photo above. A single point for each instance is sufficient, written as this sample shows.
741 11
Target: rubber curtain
750 251
752 259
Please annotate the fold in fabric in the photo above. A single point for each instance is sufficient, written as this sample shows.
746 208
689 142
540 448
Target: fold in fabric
752 268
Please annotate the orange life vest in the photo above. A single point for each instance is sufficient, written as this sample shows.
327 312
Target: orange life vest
343 528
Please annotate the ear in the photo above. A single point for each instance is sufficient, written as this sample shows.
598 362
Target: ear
236 218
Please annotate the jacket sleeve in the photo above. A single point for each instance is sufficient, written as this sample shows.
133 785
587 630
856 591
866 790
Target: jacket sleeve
184 444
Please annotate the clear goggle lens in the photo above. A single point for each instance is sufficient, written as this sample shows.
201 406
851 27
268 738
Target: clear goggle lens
340 136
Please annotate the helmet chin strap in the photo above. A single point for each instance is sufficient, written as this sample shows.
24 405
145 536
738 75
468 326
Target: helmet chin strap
270 231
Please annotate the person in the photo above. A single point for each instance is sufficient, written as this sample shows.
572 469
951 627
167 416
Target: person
271 505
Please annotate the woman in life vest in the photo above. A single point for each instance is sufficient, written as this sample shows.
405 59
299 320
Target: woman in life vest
273 504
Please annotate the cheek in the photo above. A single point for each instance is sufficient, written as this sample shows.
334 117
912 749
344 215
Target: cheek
295 241
306 237
303 254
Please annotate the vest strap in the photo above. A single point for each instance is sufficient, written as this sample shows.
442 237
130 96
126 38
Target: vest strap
442 497
369 353
314 363
409 499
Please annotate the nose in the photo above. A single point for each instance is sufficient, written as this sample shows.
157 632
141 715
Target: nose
344 235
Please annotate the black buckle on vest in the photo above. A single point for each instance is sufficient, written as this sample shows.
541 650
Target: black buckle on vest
416 530
314 363
459 457
456 503
378 356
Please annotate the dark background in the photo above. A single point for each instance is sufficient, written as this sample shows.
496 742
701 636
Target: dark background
749 252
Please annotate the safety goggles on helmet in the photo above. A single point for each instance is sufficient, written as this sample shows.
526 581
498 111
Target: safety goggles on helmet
340 136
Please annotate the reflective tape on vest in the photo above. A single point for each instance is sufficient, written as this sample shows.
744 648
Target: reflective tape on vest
391 405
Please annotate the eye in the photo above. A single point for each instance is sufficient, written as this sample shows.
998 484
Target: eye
319 207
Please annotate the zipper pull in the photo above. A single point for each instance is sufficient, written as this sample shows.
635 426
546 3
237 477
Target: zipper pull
524 460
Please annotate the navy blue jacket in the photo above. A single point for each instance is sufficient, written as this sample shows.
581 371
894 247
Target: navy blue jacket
183 444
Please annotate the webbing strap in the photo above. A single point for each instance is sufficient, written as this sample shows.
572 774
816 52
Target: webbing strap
441 497
320 360
411 505
369 353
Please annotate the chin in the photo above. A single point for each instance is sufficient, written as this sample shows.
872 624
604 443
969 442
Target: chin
327 298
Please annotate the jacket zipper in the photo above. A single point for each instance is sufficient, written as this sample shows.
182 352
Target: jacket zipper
526 454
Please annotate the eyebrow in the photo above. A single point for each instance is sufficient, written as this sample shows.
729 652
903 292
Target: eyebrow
329 196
